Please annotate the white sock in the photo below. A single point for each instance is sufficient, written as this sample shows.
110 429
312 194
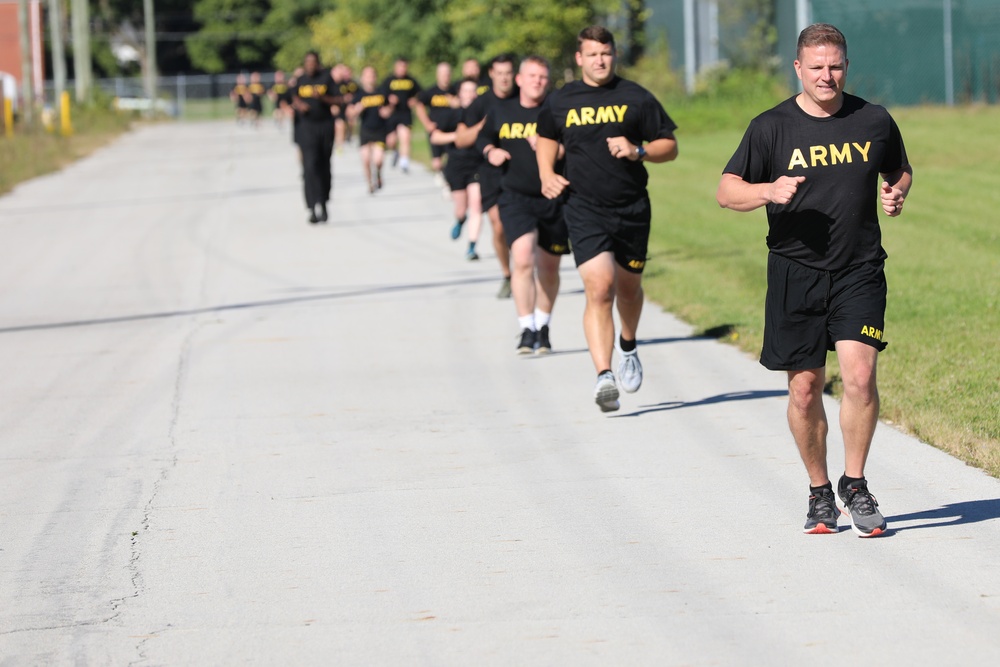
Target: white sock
526 322
542 319
404 162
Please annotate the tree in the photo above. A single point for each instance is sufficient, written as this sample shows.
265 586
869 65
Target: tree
232 36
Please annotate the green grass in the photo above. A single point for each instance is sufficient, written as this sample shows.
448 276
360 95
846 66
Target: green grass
940 376
33 151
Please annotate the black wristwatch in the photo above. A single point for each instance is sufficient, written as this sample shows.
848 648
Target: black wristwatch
641 152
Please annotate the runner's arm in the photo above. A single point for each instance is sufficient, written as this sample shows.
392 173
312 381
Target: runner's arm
737 194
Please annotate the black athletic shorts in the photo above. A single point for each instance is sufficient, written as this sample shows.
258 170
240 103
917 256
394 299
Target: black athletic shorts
369 136
400 117
437 150
523 214
490 178
807 311
459 175
622 230
255 105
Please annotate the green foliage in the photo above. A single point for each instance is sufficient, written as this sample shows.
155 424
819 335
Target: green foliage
750 33
231 34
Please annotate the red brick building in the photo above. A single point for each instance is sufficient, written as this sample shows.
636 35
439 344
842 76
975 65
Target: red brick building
10 41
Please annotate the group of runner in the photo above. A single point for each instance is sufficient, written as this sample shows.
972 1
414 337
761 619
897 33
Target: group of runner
563 171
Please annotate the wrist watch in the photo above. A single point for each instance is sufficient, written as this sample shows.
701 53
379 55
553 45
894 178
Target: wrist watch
641 152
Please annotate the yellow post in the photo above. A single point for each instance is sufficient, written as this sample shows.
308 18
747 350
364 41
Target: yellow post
8 117
67 124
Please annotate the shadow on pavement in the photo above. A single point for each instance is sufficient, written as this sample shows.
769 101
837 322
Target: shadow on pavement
151 201
954 514
720 398
265 303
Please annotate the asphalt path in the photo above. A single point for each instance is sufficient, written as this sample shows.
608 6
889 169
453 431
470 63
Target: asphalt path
230 437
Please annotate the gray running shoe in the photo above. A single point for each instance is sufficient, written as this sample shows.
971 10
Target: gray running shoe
606 392
823 512
630 371
527 344
860 505
504 292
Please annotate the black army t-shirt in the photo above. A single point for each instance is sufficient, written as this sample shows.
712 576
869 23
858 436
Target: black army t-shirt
403 88
458 158
832 222
583 117
510 126
371 103
437 101
310 89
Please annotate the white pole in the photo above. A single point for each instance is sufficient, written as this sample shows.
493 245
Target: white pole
690 66
949 62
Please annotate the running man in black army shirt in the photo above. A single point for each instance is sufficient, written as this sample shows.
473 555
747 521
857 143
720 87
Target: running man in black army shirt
533 225
814 162
402 90
432 104
609 126
372 109
312 98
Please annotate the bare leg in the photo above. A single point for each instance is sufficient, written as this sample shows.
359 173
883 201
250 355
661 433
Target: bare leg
404 134
460 199
547 279
807 421
629 299
598 275
522 278
475 212
860 406
500 241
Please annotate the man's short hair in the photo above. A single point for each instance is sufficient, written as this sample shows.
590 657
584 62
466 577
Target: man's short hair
820 34
595 33
538 60
502 59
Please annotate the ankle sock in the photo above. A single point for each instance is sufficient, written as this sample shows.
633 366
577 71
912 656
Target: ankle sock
626 345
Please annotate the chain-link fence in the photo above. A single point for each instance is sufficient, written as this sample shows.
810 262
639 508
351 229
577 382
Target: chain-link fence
908 52
199 96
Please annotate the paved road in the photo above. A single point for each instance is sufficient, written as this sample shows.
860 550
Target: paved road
229 437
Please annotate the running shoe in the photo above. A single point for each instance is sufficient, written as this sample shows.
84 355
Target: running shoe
312 217
527 344
823 512
860 505
630 370
504 292
542 338
322 215
471 255
606 392
456 229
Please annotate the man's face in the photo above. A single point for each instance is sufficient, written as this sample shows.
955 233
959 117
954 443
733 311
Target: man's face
310 64
443 75
502 75
823 72
368 77
470 69
466 93
596 61
533 80
400 68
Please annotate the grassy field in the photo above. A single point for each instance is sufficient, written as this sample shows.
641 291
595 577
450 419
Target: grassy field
33 152
940 376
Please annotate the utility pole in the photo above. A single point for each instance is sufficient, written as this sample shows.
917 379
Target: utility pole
81 50
27 71
58 53
147 6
